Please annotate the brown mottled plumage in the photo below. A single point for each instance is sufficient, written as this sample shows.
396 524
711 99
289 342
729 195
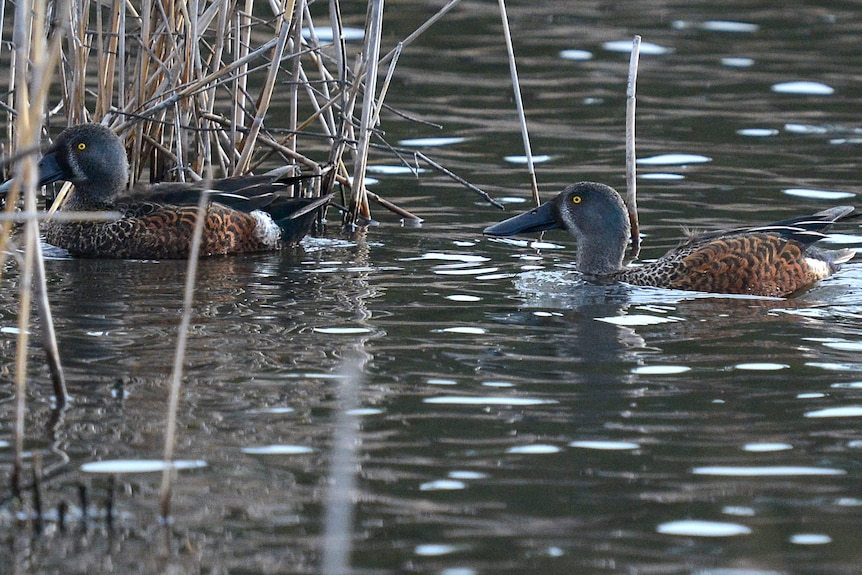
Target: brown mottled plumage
773 260
244 214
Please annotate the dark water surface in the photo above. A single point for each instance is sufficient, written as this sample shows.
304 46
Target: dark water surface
513 419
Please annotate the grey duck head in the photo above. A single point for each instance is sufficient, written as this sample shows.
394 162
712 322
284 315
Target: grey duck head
594 213
91 157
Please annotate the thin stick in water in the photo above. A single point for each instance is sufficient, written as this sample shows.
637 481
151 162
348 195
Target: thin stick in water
179 359
631 157
519 104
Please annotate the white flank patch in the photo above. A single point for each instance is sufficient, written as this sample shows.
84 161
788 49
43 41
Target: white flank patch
266 230
819 268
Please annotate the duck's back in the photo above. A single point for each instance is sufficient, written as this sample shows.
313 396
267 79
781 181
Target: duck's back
775 260
149 230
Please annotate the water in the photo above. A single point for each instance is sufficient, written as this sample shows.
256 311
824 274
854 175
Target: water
512 418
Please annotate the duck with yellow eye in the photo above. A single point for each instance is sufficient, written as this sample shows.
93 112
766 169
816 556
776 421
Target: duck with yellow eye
248 213
775 260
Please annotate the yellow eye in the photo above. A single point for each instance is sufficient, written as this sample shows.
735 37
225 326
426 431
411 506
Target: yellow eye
82 146
576 199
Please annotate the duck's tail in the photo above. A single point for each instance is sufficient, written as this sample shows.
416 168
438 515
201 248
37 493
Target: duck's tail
295 216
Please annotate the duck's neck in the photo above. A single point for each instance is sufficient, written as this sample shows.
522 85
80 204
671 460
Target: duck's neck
603 254
85 197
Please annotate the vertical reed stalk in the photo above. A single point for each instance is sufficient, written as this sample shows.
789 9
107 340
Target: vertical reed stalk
28 38
298 10
179 359
359 202
265 98
519 103
631 156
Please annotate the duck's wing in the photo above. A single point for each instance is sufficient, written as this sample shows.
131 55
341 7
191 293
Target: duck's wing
805 229
245 193
776 260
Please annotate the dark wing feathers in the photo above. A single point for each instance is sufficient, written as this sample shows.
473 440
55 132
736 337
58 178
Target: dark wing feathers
805 229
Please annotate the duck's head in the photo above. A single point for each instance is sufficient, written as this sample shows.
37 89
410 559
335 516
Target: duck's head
91 157
594 213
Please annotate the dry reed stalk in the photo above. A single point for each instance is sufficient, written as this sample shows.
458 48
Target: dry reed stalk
31 83
296 72
265 98
631 156
179 360
374 27
519 103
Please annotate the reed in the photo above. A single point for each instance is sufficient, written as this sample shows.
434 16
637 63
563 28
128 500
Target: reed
631 155
519 102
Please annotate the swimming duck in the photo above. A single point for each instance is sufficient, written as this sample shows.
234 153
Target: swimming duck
772 260
244 214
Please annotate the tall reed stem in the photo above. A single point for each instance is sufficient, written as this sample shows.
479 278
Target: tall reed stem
631 156
519 103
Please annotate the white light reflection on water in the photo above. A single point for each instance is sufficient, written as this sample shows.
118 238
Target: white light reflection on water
660 369
537 159
761 366
661 176
766 447
818 194
803 88
673 160
536 449
810 539
576 55
697 528
431 142
462 330
728 26
433 549
393 170
637 319
757 132
342 330
646 48
442 485
737 62
848 411
766 471
464 298
139 465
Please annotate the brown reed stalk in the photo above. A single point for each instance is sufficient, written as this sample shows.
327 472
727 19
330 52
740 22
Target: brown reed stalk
179 359
32 78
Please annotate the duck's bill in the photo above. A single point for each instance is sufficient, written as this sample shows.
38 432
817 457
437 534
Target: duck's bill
49 172
538 220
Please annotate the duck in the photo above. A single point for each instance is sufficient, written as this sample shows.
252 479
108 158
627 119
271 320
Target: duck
244 214
775 260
